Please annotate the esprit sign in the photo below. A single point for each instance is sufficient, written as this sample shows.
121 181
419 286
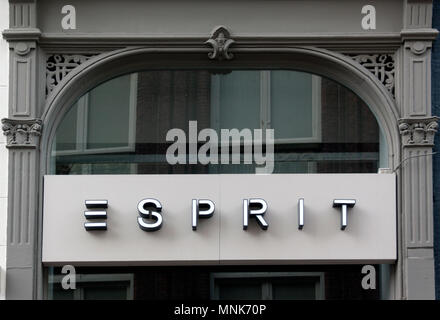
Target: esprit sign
150 209
215 219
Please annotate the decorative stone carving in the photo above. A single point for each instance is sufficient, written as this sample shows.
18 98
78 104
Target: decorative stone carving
381 65
22 133
419 47
418 131
23 48
59 65
220 42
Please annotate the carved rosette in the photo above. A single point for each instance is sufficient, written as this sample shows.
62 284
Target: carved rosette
220 42
381 65
59 65
22 133
418 132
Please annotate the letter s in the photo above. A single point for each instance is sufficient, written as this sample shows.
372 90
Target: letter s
150 209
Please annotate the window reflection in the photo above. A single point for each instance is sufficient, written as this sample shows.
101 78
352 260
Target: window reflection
120 126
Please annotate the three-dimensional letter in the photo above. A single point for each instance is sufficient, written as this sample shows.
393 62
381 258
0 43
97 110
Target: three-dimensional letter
201 209
254 208
150 209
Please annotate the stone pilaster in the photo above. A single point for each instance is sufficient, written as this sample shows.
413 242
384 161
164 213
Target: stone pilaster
417 206
417 129
416 78
22 130
22 37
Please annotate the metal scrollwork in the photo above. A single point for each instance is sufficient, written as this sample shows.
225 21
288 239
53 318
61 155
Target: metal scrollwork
381 65
59 65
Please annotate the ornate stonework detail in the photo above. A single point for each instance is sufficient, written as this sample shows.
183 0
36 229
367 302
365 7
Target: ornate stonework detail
419 47
23 48
59 65
418 131
22 133
220 42
381 65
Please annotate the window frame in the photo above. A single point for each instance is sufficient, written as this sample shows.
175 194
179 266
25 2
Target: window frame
267 285
82 123
265 107
86 280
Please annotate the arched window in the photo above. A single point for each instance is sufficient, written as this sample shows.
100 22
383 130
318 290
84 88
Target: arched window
121 126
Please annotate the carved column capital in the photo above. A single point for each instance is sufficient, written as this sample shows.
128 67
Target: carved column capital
418 132
22 133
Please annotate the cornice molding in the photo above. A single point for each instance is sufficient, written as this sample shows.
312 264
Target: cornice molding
22 34
362 42
427 34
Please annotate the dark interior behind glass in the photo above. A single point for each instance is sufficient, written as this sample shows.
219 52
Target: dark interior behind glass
120 126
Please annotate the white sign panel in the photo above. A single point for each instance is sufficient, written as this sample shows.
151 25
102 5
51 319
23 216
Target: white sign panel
219 219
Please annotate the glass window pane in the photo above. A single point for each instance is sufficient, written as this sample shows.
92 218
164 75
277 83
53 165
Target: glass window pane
66 138
58 293
240 289
320 126
291 104
238 97
108 114
105 293
298 288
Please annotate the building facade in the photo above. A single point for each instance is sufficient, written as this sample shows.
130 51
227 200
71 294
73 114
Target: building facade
4 67
436 111
120 136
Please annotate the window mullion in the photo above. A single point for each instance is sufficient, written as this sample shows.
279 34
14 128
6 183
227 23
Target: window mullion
265 100
267 290
81 130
